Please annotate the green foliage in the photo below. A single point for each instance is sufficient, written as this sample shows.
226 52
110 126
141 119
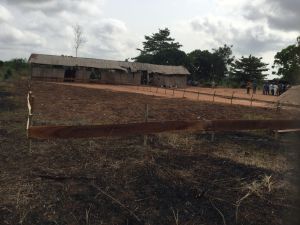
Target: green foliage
225 53
248 69
158 42
170 57
13 68
287 62
210 66
160 48
7 74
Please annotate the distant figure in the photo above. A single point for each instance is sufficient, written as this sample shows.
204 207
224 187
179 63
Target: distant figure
275 87
213 84
271 89
254 86
265 88
248 86
279 88
283 88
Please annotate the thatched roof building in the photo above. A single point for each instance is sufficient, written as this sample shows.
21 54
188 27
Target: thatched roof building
106 71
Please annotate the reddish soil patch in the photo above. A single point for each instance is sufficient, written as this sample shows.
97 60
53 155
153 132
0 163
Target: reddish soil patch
77 104
179 93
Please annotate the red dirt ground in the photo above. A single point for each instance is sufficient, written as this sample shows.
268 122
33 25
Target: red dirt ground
154 91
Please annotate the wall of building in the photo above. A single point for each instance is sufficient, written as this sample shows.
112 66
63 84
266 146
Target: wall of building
169 81
83 74
44 71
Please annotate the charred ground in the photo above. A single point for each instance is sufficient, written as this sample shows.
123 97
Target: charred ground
178 178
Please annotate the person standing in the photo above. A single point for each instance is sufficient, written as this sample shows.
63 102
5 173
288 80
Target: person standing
275 87
254 86
248 86
268 88
272 89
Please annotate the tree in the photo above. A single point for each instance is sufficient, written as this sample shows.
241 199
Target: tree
225 53
160 48
78 37
248 69
287 62
206 66
170 57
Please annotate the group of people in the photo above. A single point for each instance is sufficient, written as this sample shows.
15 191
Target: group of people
274 88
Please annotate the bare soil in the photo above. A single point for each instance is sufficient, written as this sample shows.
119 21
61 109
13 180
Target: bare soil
179 93
178 178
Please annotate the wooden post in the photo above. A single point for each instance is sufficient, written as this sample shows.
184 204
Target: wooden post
278 106
146 120
30 105
231 97
251 99
212 137
165 91
157 90
173 91
183 93
198 95
214 95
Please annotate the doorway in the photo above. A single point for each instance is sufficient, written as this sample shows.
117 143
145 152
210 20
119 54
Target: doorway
144 78
70 75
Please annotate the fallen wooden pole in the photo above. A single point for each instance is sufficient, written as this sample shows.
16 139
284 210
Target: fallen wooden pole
90 131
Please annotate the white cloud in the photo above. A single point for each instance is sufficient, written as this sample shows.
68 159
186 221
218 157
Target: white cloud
115 29
5 15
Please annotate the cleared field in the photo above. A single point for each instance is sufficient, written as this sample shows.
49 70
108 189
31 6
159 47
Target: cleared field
191 93
178 178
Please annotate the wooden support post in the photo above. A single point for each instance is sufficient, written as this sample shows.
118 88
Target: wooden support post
278 106
198 95
165 91
30 105
276 135
231 97
212 137
183 93
88 131
146 120
214 95
157 90
173 91
251 99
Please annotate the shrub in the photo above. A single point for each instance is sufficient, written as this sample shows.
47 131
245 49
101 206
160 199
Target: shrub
7 74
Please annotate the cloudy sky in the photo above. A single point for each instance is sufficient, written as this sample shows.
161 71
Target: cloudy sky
113 29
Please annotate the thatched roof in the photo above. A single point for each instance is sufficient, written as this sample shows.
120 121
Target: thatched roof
106 64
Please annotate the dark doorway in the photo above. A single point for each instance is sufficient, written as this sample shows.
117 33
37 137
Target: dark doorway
144 78
70 75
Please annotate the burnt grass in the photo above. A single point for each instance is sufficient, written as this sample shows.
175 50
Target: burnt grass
175 179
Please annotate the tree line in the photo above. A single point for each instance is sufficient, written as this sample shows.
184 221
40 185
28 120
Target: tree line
219 65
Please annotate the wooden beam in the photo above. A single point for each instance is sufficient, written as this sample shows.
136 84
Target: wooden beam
90 131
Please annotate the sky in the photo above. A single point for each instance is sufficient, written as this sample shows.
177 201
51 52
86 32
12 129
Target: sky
114 29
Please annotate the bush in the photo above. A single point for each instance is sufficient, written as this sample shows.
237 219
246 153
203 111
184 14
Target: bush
7 74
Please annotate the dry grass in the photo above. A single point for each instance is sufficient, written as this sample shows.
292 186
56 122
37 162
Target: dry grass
178 178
